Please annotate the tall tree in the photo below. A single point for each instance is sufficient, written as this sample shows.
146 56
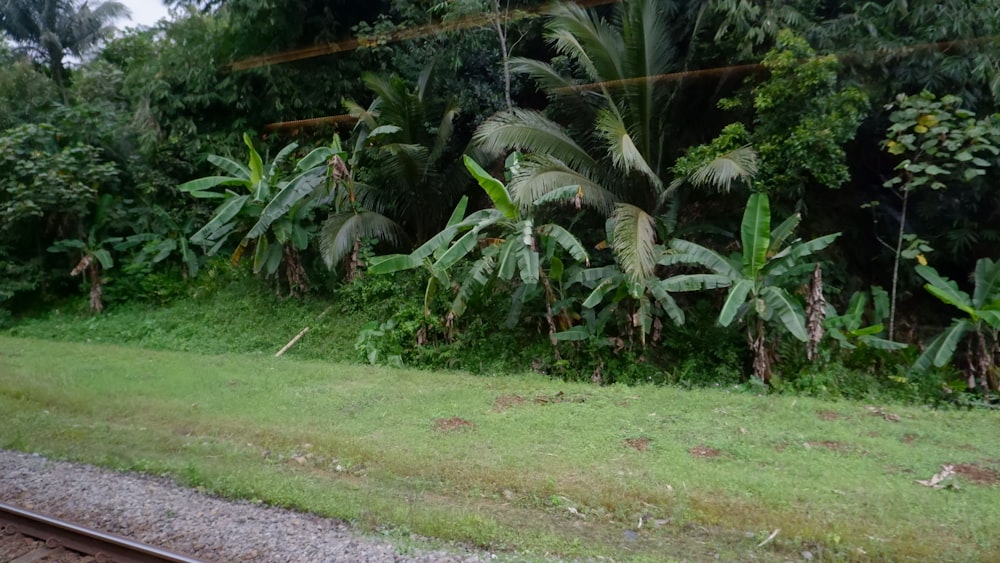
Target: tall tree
52 28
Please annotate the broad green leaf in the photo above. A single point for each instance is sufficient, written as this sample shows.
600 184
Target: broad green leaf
392 263
736 297
576 333
208 195
942 348
202 184
256 164
755 233
856 309
991 318
690 253
602 289
494 188
440 240
659 290
556 269
528 262
880 302
788 261
507 260
459 250
566 240
298 188
944 289
104 257
459 213
788 310
229 209
590 275
67 244
318 157
867 331
781 233
235 169
987 282
272 169
881 343
695 282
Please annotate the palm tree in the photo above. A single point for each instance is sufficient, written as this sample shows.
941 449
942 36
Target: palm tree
52 28
403 185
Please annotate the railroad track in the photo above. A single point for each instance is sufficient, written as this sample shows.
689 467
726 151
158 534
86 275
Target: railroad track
27 537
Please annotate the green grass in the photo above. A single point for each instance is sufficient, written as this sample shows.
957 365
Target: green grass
542 468
235 313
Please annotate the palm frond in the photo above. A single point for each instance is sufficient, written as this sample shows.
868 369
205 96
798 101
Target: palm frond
624 153
530 132
591 41
540 175
720 173
634 242
341 231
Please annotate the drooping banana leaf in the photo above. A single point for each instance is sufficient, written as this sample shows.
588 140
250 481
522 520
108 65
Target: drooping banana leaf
987 279
566 240
695 282
942 348
736 297
945 289
229 209
235 169
685 252
294 191
197 187
788 311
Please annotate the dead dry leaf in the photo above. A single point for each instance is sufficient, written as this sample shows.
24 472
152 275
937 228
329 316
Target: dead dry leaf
937 481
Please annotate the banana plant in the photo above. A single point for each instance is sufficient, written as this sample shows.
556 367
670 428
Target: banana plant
94 250
756 279
849 329
266 210
981 317
512 249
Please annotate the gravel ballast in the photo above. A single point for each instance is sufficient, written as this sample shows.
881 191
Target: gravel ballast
156 511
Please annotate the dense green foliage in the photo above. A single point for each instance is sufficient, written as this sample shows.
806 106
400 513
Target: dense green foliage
611 166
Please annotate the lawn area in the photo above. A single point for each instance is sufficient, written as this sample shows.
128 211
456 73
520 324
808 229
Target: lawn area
520 463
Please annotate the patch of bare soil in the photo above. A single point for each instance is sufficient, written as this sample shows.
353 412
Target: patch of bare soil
504 402
886 415
831 445
909 438
829 415
559 397
637 443
977 473
452 424
704 452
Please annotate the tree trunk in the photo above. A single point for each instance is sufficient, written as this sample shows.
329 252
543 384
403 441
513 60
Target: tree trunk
96 287
758 346
816 310
499 23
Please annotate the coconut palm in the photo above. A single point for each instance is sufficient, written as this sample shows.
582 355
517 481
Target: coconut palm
614 157
52 28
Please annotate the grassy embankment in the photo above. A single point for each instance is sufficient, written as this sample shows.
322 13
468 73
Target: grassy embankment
519 463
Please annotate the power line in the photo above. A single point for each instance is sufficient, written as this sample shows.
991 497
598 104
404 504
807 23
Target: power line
406 34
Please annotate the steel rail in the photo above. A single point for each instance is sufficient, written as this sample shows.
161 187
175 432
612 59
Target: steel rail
84 540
